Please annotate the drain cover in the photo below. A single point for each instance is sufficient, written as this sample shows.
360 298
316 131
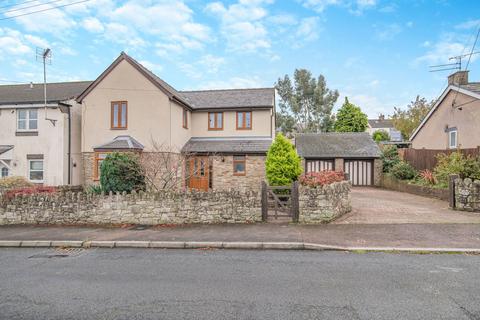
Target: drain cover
58 253
140 227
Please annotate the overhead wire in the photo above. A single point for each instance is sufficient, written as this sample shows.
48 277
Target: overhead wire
43 10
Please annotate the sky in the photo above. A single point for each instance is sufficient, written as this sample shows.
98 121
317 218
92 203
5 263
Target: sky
375 52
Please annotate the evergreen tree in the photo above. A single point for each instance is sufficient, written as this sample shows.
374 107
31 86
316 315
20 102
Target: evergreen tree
283 164
350 118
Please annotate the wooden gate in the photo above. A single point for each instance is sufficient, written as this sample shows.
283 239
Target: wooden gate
280 202
198 169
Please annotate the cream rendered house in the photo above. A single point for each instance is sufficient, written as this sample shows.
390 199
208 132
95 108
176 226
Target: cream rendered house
37 141
224 133
454 121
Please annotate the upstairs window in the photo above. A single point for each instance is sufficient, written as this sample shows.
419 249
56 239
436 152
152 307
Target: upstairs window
452 139
27 120
239 165
119 115
244 120
185 118
215 121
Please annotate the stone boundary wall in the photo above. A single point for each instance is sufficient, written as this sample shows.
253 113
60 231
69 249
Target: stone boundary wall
136 208
467 194
391 183
324 204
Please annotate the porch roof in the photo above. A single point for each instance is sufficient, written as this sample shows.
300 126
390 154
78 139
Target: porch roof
249 145
121 142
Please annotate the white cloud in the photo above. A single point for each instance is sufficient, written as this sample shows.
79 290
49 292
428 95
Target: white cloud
242 24
468 24
232 83
388 32
92 24
37 41
122 34
308 29
12 42
155 67
440 52
211 63
354 6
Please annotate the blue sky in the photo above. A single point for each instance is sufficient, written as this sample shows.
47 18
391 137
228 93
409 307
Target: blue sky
375 52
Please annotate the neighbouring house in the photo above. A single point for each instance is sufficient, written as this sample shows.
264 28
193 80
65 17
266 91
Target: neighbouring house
224 134
39 141
453 122
382 124
354 153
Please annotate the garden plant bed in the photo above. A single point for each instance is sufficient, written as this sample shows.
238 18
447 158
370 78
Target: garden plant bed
391 183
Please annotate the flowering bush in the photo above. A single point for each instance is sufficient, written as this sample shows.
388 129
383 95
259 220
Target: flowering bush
10 194
315 179
8 183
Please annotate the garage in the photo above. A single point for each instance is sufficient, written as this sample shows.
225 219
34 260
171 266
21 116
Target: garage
354 153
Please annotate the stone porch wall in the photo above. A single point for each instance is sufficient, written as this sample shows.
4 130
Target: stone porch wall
324 204
467 194
224 179
136 208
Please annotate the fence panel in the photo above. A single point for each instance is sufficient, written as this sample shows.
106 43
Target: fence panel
422 159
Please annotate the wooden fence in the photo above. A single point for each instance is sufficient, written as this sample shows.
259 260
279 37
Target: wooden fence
422 159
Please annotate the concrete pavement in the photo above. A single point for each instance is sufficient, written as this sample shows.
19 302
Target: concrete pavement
362 236
218 284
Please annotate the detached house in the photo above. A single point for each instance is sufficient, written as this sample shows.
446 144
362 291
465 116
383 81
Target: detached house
454 120
224 133
39 141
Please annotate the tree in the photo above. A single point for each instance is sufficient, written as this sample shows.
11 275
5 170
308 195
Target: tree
121 172
380 135
283 164
406 121
350 118
306 105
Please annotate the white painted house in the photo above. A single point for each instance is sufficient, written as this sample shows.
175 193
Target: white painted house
41 143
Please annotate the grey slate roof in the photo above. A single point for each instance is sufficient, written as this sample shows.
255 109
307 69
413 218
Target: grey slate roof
230 98
5 148
472 86
228 145
336 145
122 142
23 94
378 123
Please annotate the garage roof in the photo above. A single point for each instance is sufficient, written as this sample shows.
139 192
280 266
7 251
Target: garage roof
336 145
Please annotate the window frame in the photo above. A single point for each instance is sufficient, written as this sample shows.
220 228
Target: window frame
27 120
244 124
450 146
244 161
2 171
30 170
185 118
216 127
119 116
96 167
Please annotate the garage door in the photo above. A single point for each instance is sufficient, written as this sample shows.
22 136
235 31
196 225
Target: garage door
359 171
319 165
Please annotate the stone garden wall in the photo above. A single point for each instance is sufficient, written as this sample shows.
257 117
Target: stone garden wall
324 204
135 208
467 194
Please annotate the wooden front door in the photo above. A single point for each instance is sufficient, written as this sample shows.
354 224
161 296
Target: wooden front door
198 169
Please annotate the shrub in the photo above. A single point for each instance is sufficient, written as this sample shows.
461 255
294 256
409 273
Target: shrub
10 194
380 135
283 165
121 172
318 179
428 177
389 157
403 171
456 163
94 189
14 183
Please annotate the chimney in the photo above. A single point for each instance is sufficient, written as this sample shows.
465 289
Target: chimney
458 78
